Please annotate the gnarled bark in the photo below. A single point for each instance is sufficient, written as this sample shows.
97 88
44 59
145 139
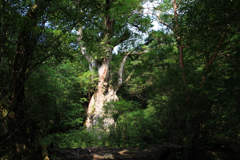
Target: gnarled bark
105 92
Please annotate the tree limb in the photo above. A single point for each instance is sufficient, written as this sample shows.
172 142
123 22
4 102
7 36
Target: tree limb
120 71
211 60
129 76
179 3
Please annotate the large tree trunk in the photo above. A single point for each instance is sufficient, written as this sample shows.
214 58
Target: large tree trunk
105 93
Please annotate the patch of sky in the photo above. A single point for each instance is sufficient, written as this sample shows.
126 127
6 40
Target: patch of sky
20 6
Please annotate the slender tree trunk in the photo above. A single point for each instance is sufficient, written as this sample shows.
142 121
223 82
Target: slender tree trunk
175 30
181 63
179 40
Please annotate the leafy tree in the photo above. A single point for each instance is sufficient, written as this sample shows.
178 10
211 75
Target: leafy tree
108 29
32 31
197 113
210 37
166 13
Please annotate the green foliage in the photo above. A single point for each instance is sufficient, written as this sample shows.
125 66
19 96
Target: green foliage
99 40
115 109
135 127
88 81
46 83
200 113
71 139
57 95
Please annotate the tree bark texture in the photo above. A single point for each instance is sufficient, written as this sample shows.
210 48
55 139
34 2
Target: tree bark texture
105 93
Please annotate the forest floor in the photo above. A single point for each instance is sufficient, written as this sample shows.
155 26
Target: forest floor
160 152
96 153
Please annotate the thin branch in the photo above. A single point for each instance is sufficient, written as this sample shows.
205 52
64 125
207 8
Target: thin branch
209 62
219 46
131 57
179 2
160 21
129 76
138 53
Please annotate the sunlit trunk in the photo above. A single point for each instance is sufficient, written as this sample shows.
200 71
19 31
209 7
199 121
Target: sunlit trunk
104 93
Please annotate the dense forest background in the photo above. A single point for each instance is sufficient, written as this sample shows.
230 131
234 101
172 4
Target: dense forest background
79 73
